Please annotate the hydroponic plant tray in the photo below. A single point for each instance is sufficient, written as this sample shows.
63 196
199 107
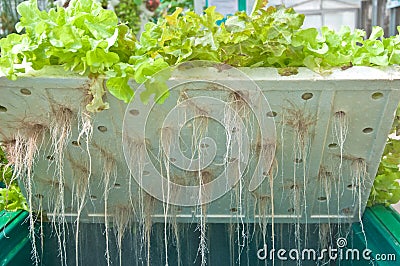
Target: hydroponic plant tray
310 151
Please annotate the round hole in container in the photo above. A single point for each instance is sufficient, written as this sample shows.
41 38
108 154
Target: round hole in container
307 96
204 145
333 146
351 187
134 112
298 160
102 129
272 114
377 95
93 197
146 173
233 210
50 158
25 92
346 211
265 173
291 210
368 130
117 185
3 109
321 199
340 114
76 143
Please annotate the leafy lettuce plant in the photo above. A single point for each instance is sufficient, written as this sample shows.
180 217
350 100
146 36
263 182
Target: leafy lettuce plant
386 187
84 38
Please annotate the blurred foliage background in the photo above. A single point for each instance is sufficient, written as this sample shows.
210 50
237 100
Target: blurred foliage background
131 12
11 198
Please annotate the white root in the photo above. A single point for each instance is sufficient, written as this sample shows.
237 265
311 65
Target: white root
202 228
340 129
271 175
122 221
149 203
138 149
32 150
83 178
300 122
60 132
359 174
109 171
165 141
200 127
22 152
326 180
236 116
41 213
80 189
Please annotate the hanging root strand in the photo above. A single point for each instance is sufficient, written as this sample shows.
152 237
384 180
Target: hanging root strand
122 221
22 151
359 174
60 132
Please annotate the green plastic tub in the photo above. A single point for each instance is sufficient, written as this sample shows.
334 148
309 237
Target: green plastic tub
381 225
15 245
